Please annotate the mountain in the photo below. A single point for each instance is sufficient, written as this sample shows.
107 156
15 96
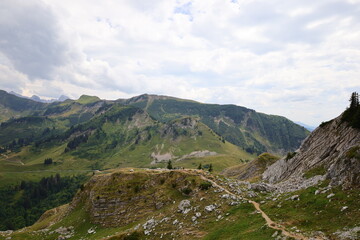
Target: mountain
254 132
308 127
331 151
12 106
145 131
38 99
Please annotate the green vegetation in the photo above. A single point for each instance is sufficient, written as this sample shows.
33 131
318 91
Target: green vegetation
48 161
353 152
242 223
169 165
290 155
352 113
260 132
319 170
23 204
85 99
205 185
312 212
266 159
38 140
252 170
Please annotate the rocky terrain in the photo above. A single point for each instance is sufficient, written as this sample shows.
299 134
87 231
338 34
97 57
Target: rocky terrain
331 152
193 204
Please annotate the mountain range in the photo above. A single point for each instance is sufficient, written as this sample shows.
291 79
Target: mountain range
147 130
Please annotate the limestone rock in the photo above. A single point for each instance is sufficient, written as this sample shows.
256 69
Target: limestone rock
327 147
184 206
210 208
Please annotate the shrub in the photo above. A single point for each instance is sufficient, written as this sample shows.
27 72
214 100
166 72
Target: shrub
205 185
162 181
48 161
290 155
186 190
137 189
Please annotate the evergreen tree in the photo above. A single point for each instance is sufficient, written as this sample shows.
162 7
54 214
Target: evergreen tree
210 168
169 165
200 166
354 100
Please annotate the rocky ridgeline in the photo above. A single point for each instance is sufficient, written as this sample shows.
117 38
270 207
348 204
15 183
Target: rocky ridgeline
333 147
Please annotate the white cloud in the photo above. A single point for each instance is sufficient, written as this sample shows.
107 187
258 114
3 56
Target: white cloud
299 59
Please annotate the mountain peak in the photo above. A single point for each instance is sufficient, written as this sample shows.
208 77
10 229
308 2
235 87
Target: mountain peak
85 99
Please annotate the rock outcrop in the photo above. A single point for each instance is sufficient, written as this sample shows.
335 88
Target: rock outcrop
333 147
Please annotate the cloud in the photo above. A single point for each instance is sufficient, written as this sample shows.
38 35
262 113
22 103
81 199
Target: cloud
287 58
29 37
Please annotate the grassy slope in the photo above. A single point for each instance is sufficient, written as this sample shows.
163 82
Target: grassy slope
239 222
316 212
252 170
243 127
96 153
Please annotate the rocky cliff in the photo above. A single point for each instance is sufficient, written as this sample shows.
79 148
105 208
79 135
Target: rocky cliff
332 150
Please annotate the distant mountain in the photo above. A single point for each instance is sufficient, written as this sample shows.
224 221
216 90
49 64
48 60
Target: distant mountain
308 127
38 99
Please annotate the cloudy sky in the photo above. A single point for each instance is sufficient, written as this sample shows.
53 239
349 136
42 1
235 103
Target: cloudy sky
299 59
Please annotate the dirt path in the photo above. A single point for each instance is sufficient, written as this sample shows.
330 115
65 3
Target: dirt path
270 223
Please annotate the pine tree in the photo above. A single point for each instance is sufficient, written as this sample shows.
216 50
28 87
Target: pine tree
210 168
200 166
169 165
354 100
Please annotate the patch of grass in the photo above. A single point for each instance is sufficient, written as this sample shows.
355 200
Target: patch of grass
242 223
319 170
290 155
317 212
205 185
353 152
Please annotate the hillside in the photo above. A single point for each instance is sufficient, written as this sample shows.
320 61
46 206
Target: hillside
193 204
12 106
254 132
253 170
150 204
90 133
120 136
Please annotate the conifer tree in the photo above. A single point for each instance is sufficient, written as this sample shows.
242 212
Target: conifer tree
169 165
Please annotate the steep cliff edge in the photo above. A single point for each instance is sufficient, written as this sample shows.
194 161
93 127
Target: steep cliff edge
332 150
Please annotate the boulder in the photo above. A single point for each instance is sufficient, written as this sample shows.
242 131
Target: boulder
184 206
210 208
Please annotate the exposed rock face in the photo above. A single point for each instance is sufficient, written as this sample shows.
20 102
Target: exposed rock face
332 146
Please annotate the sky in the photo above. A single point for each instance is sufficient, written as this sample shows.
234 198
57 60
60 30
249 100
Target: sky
299 59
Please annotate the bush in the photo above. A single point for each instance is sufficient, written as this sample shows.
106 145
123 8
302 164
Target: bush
205 185
186 190
48 161
290 155
137 189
